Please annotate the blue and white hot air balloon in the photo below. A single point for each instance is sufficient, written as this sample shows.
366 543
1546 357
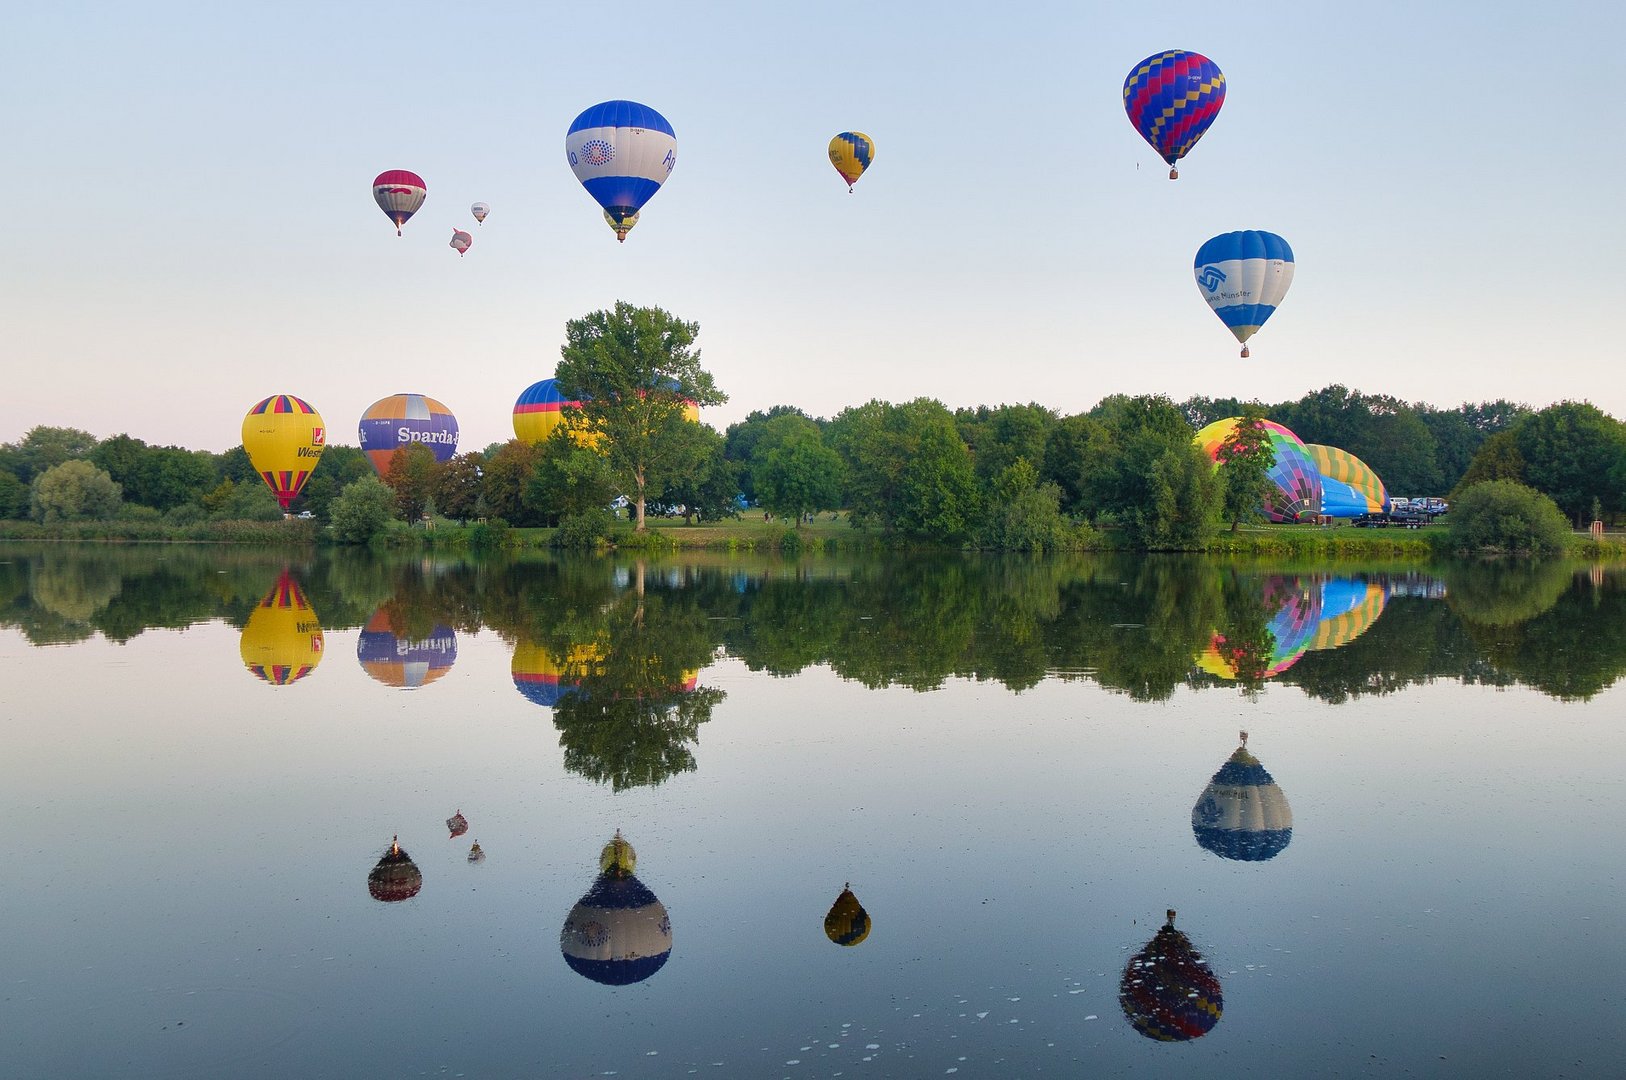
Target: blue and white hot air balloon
1243 276
1242 814
622 152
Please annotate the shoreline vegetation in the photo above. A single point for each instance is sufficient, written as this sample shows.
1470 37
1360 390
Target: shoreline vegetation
824 536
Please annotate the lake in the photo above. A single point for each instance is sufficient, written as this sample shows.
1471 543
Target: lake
836 817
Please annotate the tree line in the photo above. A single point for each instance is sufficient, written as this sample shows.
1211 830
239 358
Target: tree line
1008 477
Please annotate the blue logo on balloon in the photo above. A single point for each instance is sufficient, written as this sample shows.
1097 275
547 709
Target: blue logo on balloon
1211 278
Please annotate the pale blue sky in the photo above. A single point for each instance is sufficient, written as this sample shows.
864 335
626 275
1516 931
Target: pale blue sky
191 225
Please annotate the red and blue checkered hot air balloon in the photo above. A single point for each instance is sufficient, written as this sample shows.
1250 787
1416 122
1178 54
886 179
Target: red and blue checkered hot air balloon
1171 98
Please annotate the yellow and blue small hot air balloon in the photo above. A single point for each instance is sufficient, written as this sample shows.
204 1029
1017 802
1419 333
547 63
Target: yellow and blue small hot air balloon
848 922
851 153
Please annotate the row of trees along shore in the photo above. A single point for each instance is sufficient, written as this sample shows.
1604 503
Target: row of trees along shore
1014 477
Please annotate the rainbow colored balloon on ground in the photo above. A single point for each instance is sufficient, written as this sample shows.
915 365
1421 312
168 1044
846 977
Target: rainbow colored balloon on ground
1296 482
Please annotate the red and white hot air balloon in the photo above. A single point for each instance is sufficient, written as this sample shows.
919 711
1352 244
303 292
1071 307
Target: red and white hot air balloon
399 194
461 241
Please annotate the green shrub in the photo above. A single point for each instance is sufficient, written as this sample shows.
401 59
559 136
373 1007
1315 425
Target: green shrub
488 535
362 510
1503 515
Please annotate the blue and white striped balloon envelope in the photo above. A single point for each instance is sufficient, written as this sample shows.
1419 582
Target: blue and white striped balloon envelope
1243 276
622 152
1242 814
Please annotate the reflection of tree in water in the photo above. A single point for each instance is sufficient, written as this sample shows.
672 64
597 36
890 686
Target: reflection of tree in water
631 716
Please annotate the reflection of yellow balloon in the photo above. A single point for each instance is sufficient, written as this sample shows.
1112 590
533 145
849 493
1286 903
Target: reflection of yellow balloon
545 678
848 922
617 859
282 641
284 438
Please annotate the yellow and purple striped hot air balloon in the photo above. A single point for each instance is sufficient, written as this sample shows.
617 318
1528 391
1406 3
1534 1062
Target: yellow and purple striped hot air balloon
284 438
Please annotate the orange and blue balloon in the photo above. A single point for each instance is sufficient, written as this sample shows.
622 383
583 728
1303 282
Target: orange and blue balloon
284 438
1172 98
401 420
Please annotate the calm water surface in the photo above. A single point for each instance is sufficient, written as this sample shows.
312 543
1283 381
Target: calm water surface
1412 866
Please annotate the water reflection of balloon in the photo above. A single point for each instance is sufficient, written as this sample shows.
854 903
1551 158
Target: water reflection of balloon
1294 604
284 438
477 853
408 663
1242 814
546 678
1172 98
848 922
622 152
1295 480
619 933
399 194
1168 991
457 824
402 420
1349 606
851 152
396 877
282 640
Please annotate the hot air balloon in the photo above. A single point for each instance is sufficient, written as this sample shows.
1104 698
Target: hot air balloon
403 419
1349 606
457 824
536 413
1348 486
546 679
851 153
622 152
618 933
1242 814
404 662
282 640
1172 98
399 194
1296 482
620 228
461 241
396 877
848 922
480 210
284 438
1243 276
1295 606
1168 991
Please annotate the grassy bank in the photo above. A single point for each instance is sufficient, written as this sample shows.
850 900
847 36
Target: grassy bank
133 532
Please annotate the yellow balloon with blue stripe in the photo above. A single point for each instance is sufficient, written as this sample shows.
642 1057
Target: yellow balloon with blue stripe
851 153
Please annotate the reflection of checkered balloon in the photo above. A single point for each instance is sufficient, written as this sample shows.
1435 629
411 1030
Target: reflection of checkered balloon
597 152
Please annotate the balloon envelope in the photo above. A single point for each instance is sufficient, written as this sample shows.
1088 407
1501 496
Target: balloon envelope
851 153
399 194
284 438
403 419
1242 814
1172 98
1354 488
1168 992
282 641
1244 276
536 413
403 662
1349 606
480 210
1295 481
461 241
621 152
1295 607
546 679
847 923
396 877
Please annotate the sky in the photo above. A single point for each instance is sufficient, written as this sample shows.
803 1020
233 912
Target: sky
191 228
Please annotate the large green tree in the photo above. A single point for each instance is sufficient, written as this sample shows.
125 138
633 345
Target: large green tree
1570 450
801 476
635 371
43 447
909 471
1244 458
75 490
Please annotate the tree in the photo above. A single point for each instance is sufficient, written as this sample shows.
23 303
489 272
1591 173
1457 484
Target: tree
801 476
44 447
1497 458
635 371
1245 459
1500 515
709 490
413 474
13 496
338 467
751 443
75 491
909 471
507 470
362 510
1569 451
568 479
1022 514
457 493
